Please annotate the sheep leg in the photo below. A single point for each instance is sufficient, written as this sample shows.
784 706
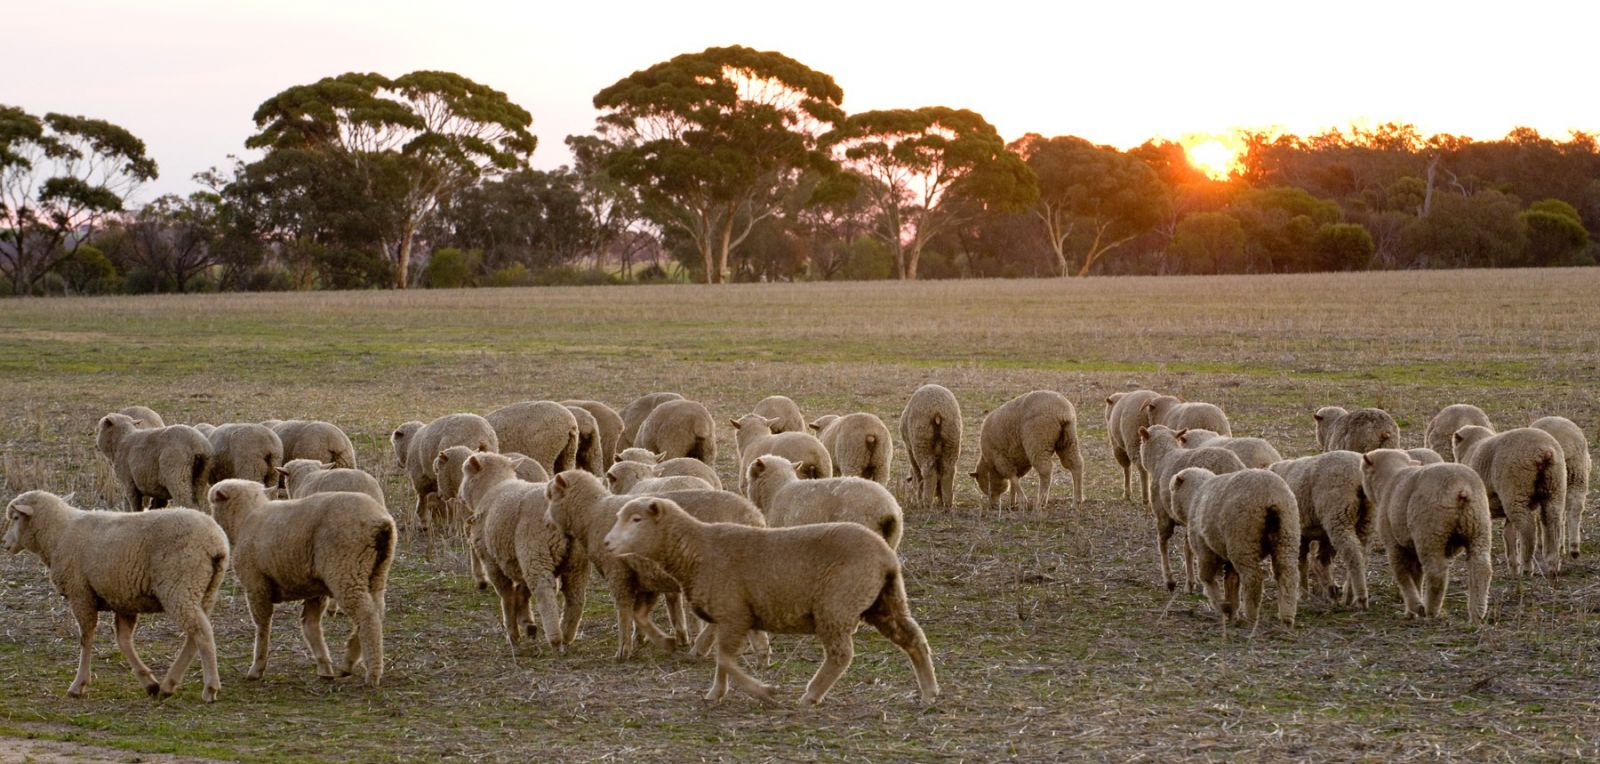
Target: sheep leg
1512 545
1127 472
88 619
1164 528
838 650
1407 571
1435 580
261 613
1249 581
704 642
1552 520
730 639
625 621
198 637
1046 471
646 628
892 618
480 573
719 683
678 619
761 643
1324 571
366 638
510 607
1354 554
1527 534
135 499
1210 567
1577 493
1189 566
1017 497
1479 571
947 482
522 609
125 624
311 631
574 592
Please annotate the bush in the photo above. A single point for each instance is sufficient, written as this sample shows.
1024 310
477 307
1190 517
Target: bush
566 275
267 279
513 275
451 268
88 271
1342 247
351 269
1208 242
654 274
869 260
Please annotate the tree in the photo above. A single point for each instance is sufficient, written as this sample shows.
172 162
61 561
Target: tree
712 140
1342 247
1114 196
533 217
1477 231
173 238
429 133
919 162
1209 242
1279 225
60 178
1555 235
621 229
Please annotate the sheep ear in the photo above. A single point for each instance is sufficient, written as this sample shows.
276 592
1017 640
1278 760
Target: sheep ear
23 509
282 471
799 468
472 465
1148 406
660 456
815 426
974 475
1416 463
616 459
757 467
1144 433
482 449
1317 417
1384 437
138 422
219 494
1181 433
653 509
560 482
734 422
328 465
774 422
1366 459
1177 480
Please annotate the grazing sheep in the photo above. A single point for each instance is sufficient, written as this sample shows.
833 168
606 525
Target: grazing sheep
1360 431
309 439
635 454
1236 521
1028 433
634 414
160 562
753 435
690 467
337 545
303 477
1172 412
1162 457
859 444
930 427
544 430
679 428
1125 414
1427 515
168 464
787 500
401 439
1441 432
1335 512
608 425
1575 448
640 478
245 451
1425 455
656 485
147 417
424 444
1524 472
783 409
814 579
590 451
1256 453
447 466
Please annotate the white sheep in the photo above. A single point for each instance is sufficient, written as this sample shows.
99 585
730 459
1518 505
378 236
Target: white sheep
590 453
1028 432
147 417
787 500
782 409
859 444
636 454
424 443
638 410
1427 515
1173 412
1162 457
679 428
544 430
1575 450
930 427
1441 432
690 468
1425 455
1335 512
1256 453
167 464
1125 414
1360 431
608 423
658 485
312 439
1236 521
245 450
1524 472
303 477
754 436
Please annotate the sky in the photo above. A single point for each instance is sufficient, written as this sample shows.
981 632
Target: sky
186 76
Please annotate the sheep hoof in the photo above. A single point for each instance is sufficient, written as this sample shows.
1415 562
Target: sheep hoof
210 694
1288 623
1172 586
253 675
76 692
530 630
483 585
154 689
1574 554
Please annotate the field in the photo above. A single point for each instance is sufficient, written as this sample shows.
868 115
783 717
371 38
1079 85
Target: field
1053 637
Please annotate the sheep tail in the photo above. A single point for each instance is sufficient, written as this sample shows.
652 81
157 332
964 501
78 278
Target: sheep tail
870 471
383 544
218 565
889 527
1546 479
1064 436
698 451
199 477
272 477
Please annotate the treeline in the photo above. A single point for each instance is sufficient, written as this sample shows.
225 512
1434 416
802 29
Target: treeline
736 164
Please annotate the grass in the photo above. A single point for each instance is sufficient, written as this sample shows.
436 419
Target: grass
1052 637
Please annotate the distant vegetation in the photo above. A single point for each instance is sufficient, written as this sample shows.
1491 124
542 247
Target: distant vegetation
739 165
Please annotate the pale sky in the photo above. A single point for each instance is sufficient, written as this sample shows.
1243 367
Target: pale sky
186 76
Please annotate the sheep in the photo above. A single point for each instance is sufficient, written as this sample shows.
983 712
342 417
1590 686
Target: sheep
859 444
1360 431
655 485
590 453
930 428
689 467
159 562
623 475
204 428
1575 448
168 464
1172 412
1162 457
787 500
1427 515
424 443
148 418
1335 512
244 450
447 466
819 579
1256 453
400 439
1027 433
1441 432
639 478
303 477
679 428
310 439
753 435
1236 521
784 410
635 454
1125 414
544 430
326 545
634 414
1425 455
1524 472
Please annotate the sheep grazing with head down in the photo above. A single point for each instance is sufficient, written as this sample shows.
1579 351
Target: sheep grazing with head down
784 411
930 427
608 427
1335 512
327 545
1360 431
147 417
753 434
1427 515
303 477
1575 449
1171 411
638 410
813 579
167 464
1524 472
1125 414
1029 432
1162 457
1441 432
679 428
859 444
544 430
129 564
245 451
401 439
787 500
1236 521
1256 453
423 444
311 439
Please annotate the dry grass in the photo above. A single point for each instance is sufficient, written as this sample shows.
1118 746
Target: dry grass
1053 637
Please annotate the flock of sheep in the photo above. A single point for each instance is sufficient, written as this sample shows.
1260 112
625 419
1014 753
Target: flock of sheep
550 492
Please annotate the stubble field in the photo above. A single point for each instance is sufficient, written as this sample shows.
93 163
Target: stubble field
1053 637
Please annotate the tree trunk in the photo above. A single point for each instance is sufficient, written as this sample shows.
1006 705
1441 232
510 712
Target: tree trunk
912 258
1427 195
723 246
403 267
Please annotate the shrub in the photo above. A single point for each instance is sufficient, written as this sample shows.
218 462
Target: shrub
451 268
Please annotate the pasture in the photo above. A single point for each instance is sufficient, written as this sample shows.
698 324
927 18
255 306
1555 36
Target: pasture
1053 637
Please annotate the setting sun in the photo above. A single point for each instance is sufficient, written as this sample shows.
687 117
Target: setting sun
1212 157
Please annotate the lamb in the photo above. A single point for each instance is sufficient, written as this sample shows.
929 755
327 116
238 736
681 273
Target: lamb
636 454
169 464
1172 412
303 477
148 418
679 428
930 428
1575 449
401 439
1125 414
784 410
1335 512
590 451
1163 457
819 579
159 562
787 500
544 430
859 444
1360 431
623 477
424 443
1425 455
1236 521
753 435
246 451
1524 472
634 414
1256 453
327 545
691 468
608 426
1427 515
1027 433
309 439
1441 432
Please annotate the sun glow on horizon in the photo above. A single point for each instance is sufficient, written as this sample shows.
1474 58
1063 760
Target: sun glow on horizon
1212 156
